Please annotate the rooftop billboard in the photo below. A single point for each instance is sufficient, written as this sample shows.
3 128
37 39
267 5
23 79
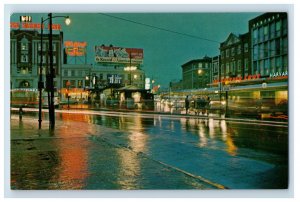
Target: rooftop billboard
110 54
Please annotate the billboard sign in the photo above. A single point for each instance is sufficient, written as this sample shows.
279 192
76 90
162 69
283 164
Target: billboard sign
114 79
75 48
110 54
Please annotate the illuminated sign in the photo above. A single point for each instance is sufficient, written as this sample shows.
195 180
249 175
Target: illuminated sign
25 18
279 74
114 79
147 83
75 48
110 54
29 25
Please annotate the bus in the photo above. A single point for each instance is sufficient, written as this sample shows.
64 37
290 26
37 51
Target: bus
29 97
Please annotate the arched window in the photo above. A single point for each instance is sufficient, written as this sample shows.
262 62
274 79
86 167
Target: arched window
24 44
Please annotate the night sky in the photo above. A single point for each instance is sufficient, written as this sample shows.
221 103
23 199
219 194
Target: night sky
164 51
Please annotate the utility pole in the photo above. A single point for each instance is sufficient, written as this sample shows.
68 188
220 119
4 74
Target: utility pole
52 75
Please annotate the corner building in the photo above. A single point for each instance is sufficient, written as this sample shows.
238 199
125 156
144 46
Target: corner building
269 44
25 57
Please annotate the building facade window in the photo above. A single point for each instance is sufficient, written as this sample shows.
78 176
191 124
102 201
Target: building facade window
65 73
246 69
255 36
284 26
261 51
227 53
255 52
24 58
260 34
246 47
272 65
285 63
285 45
232 51
239 50
72 83
266 32
272 48
278 64
278 28
277 46
266 50
54 59
239 66
266 67
272 30
54 46
227 68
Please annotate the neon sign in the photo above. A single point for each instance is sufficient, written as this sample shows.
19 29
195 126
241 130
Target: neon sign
114 79
29 25
75 48
279 74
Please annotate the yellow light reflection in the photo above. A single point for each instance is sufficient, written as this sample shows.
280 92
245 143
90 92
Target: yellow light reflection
130 165
202 137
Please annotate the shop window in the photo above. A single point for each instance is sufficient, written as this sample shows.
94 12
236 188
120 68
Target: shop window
79 84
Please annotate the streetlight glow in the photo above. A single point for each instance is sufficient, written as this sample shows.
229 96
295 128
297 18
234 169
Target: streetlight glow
67 21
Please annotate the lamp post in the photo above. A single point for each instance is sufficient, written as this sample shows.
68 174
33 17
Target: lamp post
50 75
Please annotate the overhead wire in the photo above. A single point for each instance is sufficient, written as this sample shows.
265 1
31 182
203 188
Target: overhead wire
160 28
174 32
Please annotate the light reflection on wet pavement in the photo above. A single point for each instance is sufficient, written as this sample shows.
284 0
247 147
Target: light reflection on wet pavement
134 151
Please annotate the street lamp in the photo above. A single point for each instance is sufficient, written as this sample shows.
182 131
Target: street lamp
51 75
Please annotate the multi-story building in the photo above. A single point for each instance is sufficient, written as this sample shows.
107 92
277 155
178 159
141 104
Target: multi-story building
25 57
196 73
235 56
269 44
108 73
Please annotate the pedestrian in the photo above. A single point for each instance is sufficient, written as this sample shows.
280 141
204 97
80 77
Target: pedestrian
187 104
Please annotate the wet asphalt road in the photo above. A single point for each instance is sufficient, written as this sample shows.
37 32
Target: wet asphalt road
114 150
